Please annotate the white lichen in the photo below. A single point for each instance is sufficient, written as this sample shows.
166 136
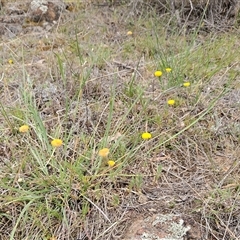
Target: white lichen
39 4
147 236
176 230
162 219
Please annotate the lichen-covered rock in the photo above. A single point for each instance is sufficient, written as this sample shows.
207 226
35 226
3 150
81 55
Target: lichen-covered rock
158 227
30 16
44 10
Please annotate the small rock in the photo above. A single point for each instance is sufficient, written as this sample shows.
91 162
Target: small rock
158 227
43 10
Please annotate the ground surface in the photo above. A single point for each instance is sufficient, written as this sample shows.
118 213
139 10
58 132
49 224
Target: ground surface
88 80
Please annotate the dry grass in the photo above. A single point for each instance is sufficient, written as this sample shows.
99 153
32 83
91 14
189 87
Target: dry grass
202 15
90 84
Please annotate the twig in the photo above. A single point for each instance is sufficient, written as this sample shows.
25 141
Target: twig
105 216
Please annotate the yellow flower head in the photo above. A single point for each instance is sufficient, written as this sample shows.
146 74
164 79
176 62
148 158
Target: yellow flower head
158 74
171 102
146 135
10 61
168 70
23 129
129 33
56 142
186 84
103 152
111 163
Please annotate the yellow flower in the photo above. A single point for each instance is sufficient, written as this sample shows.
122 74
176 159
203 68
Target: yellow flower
158 73
10 61
111 163
171 102
146 135
56 142
168 70
129 33
103 152
186 84
23 129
